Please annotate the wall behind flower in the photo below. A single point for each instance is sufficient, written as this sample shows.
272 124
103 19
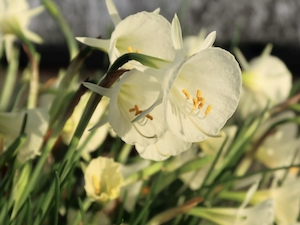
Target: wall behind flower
247 22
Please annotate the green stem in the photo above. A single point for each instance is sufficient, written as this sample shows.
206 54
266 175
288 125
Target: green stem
62 23
9 81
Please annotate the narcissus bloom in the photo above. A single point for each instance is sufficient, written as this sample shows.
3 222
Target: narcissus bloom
200 93
147 33
15 16
281 146
103 179
265 79
132 93
88 141
36 127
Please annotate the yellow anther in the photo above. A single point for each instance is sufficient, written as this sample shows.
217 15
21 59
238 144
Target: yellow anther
201 99
195 102
199 94
201 104
208 109
138 51
96 185
294 170
186 93
149 117
129 49
132 110
138 111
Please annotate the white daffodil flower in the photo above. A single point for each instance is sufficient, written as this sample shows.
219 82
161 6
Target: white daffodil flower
36 127
134 92
200 93
15 16
147 33
260 214
287 201
265 79
103 180
132 191
88 141
281 146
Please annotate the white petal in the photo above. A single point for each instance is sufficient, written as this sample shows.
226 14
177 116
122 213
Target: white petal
209 41
150 33
113 12
99 90
177 36
168 145
95 42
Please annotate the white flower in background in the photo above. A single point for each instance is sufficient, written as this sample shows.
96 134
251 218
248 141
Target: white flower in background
147 33
265 78
15 16
192 44
287 201
200 93
210 146
103 180
260 214
89 140
132 191
281 147
36 127
134 92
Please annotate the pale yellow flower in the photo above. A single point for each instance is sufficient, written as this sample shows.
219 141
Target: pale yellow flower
103 180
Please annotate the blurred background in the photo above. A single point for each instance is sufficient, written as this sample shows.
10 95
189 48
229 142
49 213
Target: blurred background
250 25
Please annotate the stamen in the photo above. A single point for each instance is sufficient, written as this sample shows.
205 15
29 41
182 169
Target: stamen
129 49
132 110
208 109
138 112
201 104
138 51
96 185
149 117
195 102
186 93
199 94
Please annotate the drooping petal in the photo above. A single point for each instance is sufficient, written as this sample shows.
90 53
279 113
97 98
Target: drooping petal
168 145
213 77
95 42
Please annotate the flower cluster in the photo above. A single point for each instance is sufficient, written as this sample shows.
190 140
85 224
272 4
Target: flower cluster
163 110
233 134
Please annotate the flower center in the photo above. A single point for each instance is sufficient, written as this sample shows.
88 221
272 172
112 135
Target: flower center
96 185
130 50
138 111
198 101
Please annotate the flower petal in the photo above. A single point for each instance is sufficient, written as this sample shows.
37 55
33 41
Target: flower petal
168 145
95 42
